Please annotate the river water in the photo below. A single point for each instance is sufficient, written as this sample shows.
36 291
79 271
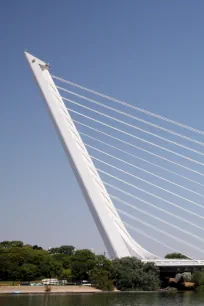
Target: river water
103 299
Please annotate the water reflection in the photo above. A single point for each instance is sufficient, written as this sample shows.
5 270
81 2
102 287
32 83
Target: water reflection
109 299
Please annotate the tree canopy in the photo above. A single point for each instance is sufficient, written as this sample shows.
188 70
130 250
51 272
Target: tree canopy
176 256
19 262
26 263
129 273
9 244
64 249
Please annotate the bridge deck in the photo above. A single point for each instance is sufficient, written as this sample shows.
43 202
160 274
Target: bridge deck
176 262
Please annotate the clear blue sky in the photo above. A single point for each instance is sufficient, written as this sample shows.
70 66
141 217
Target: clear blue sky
149 53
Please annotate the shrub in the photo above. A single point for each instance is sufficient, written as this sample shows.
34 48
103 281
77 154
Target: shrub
48 288
100 279
198 278
200 288
129 273
187 276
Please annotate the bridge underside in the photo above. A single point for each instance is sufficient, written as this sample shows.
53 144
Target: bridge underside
173 265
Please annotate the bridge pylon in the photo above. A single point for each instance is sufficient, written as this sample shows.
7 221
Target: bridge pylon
117 240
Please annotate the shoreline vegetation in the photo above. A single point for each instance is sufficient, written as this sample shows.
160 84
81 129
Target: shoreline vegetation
23 264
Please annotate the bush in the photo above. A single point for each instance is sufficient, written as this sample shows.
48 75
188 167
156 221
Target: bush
198 278
183 277
129 273
48 288
172 290
178 277
105 284
176 256
100 279
200 288
187 276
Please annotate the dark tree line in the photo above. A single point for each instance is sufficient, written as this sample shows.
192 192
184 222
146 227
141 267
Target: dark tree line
19 262
176 256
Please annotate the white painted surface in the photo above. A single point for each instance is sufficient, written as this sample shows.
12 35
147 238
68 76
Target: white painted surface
176 262
115 236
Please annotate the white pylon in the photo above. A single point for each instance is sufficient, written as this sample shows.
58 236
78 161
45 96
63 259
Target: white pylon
117 240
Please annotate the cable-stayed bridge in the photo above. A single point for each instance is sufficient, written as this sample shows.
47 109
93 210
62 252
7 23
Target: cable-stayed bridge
139 172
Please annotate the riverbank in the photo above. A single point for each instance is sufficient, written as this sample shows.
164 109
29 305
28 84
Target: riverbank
54 289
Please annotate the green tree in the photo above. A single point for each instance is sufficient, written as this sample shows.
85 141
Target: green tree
36 247
81 263
53 251
101 280
49 267
25 262
4 266
187 276
66 274
100 275
101 262
63 249
176 256
55 268
14 272
5 244
8 244
28 272
66 262
198 278
16 255
130 273
16 244
66 250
